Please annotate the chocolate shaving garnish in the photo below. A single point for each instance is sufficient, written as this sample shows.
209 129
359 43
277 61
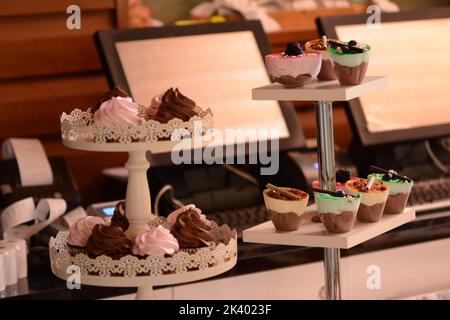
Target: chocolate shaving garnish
285 193
342 44
338 193
381 170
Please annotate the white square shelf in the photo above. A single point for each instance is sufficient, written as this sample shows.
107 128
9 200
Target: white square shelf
314 234
319 90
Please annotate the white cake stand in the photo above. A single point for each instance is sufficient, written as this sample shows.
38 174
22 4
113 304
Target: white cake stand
324 93
79 132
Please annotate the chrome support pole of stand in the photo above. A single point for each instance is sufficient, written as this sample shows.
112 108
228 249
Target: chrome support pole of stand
325 147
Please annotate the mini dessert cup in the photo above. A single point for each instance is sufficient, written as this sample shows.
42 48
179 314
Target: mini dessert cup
326 70
350 66
338 214
399 190
293 71
373 201
285 213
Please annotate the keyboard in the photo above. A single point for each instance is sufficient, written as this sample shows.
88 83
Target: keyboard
241 218
430 194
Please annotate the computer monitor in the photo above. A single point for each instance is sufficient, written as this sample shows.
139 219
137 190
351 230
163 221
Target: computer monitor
412 49
216 65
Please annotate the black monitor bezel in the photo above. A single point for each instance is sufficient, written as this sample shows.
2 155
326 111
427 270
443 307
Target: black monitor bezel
106 40
326 26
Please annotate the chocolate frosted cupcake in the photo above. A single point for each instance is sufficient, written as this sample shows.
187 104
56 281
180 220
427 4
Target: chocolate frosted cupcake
191 231
109 241
119 218
170 105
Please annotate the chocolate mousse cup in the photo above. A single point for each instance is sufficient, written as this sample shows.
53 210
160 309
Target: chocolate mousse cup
373 201
326 70
338 214
399 190
350 67
285 213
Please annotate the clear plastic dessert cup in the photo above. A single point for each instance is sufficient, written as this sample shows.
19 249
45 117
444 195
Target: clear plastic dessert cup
373 201
293 71
350 68
399 190
285 213
338 214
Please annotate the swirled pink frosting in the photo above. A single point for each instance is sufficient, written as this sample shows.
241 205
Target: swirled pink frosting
172 217
80 231
155 242
118 110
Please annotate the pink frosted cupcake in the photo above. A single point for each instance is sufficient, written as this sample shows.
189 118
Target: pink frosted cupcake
155 242
80 232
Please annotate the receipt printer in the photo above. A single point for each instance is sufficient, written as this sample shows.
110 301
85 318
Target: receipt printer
27 172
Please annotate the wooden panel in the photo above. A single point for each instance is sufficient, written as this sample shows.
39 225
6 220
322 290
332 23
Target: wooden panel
54 25
32 107
121 14
33 7
51 50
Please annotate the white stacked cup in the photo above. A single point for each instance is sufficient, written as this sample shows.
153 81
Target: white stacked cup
9 270
14 261
20 246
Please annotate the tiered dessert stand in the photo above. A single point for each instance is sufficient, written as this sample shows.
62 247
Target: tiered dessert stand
310 233
79 132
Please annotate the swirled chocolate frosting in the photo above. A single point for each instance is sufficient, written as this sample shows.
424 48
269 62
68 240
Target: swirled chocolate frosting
191 231
119 217
173 104
116 92
108 240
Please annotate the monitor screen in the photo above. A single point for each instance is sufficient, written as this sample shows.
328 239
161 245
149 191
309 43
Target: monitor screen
217 70
411 49
415 56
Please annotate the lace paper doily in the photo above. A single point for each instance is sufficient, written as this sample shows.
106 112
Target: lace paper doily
132 266
79 126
